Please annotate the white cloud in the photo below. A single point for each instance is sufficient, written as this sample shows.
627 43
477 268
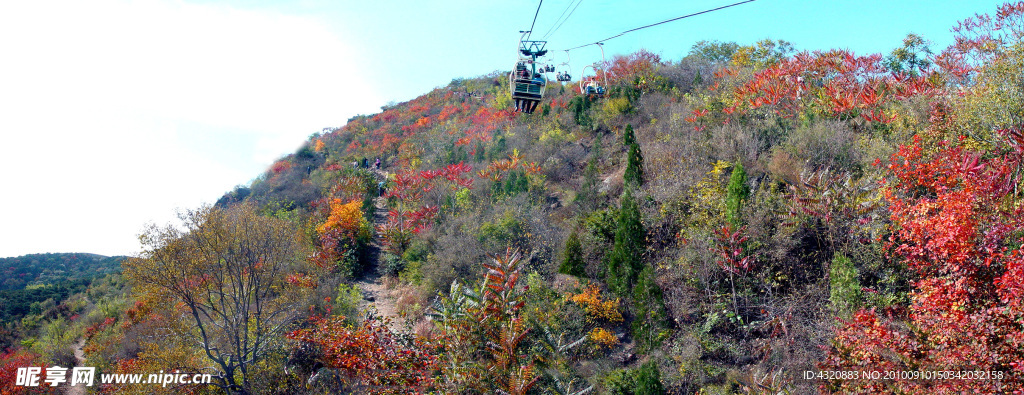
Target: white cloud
114 113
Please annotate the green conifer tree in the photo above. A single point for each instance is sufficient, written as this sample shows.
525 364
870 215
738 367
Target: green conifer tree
844 289
479 153
736 193
572 263
625 261
634 175
648 380
649 308
628 137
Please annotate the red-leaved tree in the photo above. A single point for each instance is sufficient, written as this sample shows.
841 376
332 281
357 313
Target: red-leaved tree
370 358
959 227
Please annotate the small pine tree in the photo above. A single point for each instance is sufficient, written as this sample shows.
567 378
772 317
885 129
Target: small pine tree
645 380
649 308
580 106
634 166
648 380
634 159
628 137
625 260
736 193
573 264
588 190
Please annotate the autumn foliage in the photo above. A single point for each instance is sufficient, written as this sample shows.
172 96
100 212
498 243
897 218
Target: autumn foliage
370 357
484 334
958 229
340 234
9 363
875 225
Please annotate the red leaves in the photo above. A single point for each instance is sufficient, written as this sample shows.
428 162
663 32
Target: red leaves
371 354
281 166
448 112
9 364
484 334
497 170
729 245
302 280
981 39
956 232
836 82
411 186
636 69
425 190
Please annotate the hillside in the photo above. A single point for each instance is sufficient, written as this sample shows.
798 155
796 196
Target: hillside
40 269
37 287
721 223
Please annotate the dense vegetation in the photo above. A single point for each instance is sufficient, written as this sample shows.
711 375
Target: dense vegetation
42 269
717 224
37 288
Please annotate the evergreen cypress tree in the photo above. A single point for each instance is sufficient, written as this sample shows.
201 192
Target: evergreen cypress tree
573 264
649 308
736 193
628 137
634 159
625 260
648 380
634 166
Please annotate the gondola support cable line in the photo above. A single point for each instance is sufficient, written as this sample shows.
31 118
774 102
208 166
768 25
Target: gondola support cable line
599 42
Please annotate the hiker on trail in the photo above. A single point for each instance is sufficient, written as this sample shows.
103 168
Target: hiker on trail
376 165
380 186
366 163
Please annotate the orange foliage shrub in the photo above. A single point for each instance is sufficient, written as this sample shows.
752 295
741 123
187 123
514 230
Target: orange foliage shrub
603 337
346 218
598 309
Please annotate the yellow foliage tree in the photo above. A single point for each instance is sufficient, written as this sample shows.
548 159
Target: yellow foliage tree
596 307
228 269
345 218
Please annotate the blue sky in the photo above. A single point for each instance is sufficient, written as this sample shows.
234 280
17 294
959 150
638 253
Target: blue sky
468 38
115 113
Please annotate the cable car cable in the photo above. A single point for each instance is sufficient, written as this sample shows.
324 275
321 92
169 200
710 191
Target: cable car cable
534 20
559 22
558 18
659 23
563 20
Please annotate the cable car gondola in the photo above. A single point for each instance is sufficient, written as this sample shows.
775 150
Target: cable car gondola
565 76
592 85
526 83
